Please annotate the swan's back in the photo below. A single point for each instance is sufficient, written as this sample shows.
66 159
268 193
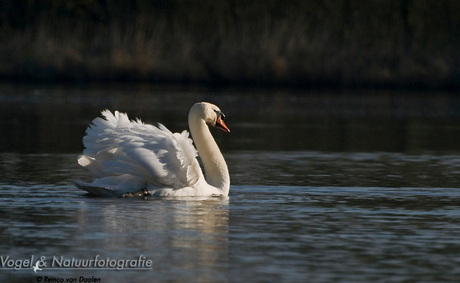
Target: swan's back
117 149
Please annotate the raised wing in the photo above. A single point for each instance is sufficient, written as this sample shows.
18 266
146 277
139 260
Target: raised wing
116 146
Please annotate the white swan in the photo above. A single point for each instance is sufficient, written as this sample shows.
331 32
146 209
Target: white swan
129 156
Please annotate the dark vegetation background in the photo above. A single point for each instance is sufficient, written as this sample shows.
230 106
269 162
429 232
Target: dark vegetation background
395 43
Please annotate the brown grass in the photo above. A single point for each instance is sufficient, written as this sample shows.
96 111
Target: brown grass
335 43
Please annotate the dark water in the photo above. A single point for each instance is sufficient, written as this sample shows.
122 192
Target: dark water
326 187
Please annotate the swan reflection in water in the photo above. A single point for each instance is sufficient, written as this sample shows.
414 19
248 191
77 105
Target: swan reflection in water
186 235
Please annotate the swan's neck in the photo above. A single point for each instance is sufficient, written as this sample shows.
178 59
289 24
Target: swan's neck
214 163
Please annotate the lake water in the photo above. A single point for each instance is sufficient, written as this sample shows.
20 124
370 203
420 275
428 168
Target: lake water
355 186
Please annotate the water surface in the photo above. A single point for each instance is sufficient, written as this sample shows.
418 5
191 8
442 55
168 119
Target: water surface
325 188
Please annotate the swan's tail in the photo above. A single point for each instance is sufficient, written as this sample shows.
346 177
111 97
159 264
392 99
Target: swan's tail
96 190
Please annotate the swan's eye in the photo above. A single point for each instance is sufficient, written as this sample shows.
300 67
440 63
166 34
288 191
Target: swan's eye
220 114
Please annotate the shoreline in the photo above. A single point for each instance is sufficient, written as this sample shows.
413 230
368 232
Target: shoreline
300 44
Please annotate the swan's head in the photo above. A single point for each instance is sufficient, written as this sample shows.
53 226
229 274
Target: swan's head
209 113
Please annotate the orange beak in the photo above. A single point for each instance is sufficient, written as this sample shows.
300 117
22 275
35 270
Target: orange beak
222 125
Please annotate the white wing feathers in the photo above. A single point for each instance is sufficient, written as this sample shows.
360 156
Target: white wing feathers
115 146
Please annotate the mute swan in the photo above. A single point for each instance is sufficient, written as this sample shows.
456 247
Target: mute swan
130 156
